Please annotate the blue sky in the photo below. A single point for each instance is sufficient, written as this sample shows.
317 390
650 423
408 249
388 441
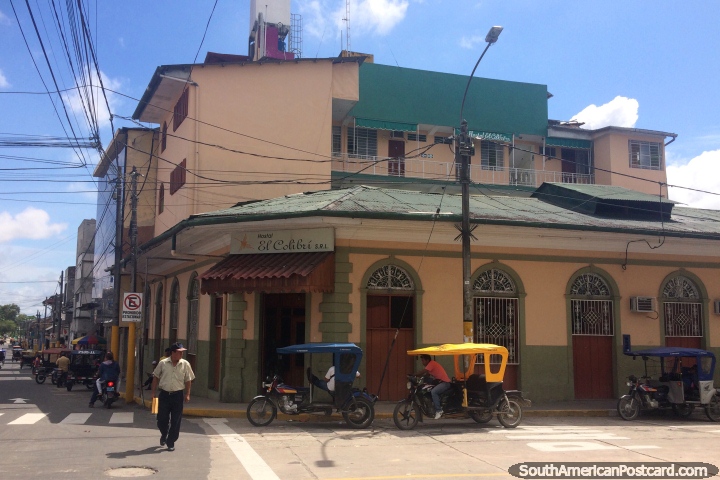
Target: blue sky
650 65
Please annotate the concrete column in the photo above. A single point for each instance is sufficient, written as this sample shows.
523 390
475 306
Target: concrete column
335 307
233 361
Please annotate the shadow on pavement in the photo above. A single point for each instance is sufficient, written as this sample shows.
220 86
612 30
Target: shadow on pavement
135 453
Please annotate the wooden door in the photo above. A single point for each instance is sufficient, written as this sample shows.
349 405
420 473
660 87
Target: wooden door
387 314
592 366
283 324
396 151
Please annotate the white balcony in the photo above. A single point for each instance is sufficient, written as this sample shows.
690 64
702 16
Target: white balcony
446 171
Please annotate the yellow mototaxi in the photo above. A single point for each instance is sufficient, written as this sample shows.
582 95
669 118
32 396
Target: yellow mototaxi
479 396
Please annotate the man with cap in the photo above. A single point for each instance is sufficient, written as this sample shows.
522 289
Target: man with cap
173 376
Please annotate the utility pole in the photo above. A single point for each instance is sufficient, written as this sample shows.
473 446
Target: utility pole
119 203
39 344
60 307
130 375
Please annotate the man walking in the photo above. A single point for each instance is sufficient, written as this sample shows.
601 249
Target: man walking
173 376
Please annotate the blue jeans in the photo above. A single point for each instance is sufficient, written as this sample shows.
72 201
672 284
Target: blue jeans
437 391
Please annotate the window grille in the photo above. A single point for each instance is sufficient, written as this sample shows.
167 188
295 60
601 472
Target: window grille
592 317
414 137
181 110
491 155
494 281
680 287
336 140
496 321
646 155
390 277
590 284
192 327
443 140
683 319
362 142
397 134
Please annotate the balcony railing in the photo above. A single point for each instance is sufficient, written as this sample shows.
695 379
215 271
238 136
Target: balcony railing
446 171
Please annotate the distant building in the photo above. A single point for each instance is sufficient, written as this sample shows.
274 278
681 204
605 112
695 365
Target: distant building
83 323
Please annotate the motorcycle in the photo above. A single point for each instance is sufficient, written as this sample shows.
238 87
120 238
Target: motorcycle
109 394
356 406
480 397
678 388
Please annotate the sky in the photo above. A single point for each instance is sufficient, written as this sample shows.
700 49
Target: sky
630 63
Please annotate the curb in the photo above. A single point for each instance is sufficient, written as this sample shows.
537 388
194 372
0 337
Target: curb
304 417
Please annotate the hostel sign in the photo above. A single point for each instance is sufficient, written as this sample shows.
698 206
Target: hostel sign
132 307
284 241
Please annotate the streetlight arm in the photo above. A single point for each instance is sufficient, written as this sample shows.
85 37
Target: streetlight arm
462 106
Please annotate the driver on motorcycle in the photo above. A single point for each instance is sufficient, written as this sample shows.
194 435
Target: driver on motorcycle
109 371
436 370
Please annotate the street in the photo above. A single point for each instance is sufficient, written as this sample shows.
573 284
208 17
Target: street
48 431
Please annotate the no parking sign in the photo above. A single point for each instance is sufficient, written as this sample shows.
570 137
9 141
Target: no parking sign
132 307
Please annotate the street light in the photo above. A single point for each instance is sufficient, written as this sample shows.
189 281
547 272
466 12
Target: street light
463 145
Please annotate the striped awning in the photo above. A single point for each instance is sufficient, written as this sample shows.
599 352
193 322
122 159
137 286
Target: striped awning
271 273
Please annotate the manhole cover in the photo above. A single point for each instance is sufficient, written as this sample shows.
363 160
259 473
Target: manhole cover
129 472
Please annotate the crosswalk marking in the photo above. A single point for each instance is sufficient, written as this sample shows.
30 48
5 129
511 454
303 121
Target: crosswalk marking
122 417
28 419
76 418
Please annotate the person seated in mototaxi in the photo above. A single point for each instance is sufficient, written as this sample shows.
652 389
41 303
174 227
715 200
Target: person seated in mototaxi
690 380
328 384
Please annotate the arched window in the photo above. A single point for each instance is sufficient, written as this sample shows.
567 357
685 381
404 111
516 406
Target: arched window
682 308
593 313
390 277
192 320
496 311
174 311
390 317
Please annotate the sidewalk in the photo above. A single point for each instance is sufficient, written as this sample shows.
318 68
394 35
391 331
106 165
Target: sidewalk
204 407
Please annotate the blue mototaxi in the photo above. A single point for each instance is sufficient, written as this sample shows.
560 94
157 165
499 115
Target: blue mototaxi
356 406
684 386
83 368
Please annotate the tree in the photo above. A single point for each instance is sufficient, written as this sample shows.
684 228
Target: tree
9 312
7 327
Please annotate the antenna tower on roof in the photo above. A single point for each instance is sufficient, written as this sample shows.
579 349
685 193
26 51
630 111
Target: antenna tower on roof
347 28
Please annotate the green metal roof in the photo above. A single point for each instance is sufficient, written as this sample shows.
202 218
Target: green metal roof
408 96
605 200
392 204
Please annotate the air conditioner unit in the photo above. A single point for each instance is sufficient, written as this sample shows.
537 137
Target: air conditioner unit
642 304
717 307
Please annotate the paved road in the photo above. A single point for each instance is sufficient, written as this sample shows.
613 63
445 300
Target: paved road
55 434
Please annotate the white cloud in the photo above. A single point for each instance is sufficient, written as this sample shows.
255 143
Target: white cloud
31 223
4 19
103 116
619 112
701 173
324 18
471 42
3 81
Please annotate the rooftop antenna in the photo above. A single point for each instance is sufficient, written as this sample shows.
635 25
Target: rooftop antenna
347 27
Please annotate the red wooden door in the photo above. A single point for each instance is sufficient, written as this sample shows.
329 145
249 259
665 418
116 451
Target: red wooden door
385 313
396 151
592 366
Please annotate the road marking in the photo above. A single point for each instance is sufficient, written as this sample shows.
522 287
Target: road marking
571 436
28 419
14 378
76 418
253 464
121 417
570 446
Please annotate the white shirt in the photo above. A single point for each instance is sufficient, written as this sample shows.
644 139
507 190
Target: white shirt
331 375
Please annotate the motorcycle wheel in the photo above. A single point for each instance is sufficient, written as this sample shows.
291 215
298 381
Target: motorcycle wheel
261 412
683 410
68 385
628 407
406 415
510 413
40 378
481 417
712 409
360 413
53 379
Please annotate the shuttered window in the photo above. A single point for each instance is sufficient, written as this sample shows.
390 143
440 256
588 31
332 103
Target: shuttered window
647 155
